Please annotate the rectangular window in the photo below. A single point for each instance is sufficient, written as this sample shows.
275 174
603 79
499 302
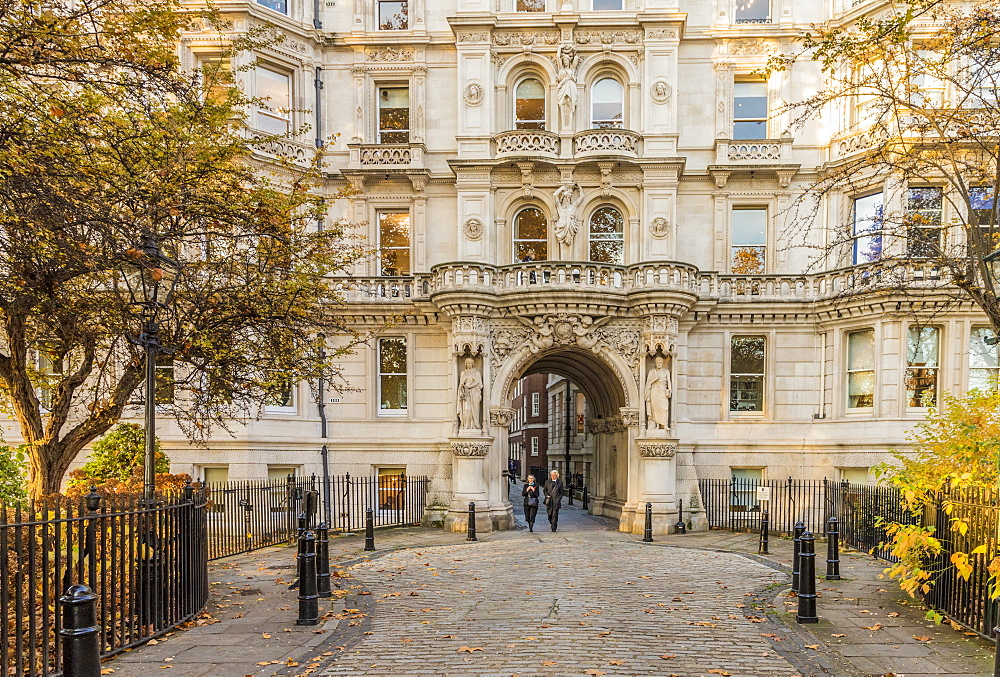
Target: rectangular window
394 115
981 201
392 376
923 222
581 413
281 472
743 496
928 88
276 5
866 228
749 241
607 5
985 83
749 110
275 89
984 360
215 474
50 371
393 15
534 446
853 475
391 488
861 369
535 403
752 12
394 243
283 398
530 5
922 366
746 373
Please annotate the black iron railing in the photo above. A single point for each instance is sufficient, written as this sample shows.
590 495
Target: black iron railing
147 565
395 500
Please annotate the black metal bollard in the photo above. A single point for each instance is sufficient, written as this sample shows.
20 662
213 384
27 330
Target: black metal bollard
996 658
647 535
323 561
679 526
797 532
807 579
765 531
369 530
472 522
303 523
81 638
308 597
832 549
586 498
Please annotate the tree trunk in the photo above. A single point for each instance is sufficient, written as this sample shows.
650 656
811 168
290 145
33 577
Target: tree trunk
48 465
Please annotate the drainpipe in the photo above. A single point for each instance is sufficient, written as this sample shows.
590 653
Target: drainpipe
318 83
323 431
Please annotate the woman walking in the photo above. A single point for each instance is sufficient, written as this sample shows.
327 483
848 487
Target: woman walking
531 492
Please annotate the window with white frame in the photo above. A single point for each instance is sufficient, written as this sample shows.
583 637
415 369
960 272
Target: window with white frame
394 115
282 397
922 351
748 241
607 5
749 110
391 488
394 243
984 360
393 15
607 104
984 79
607 236
746 373
743 495
392 376
530 235
529 104
923 222
276 5
981 200
275 89
529 5
861 369
866 229
927 85
752 12
534 445
535 403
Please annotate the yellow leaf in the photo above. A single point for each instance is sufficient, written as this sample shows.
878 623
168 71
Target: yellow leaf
979 550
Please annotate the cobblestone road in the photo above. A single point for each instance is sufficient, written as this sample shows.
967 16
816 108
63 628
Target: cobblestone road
578 602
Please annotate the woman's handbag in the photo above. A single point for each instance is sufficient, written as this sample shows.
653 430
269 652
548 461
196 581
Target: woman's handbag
548 499
533 501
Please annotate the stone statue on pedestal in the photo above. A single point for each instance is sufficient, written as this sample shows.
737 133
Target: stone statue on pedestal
470 397
657 394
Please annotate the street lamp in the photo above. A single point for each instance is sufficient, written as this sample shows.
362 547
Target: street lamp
150 277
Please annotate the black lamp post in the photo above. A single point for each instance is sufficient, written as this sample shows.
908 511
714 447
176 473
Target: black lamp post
150 277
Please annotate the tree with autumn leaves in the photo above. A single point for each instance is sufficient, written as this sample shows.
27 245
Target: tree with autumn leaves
104 140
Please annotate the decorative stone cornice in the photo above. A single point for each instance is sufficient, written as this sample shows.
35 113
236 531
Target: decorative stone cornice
501 416
471 449
657 450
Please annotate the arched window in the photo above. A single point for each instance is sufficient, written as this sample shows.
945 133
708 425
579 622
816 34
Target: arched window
607 104
530 235
529 105
607 236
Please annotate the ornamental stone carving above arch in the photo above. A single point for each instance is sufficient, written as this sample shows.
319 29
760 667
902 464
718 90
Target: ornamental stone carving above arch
657 450
471 449
502 416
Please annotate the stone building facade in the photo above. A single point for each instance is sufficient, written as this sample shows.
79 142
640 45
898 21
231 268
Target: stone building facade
577 187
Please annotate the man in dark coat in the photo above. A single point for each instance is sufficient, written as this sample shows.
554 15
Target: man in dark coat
553 491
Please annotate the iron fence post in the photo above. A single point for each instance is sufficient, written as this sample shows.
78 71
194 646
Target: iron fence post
323 561
80 633
807 582
832 549
996 657
765 529
797 532
679 526
93 502
472 522
308 597
369 530
647 534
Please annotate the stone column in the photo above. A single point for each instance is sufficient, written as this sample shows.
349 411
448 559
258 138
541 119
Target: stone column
659 483
468 480
501 510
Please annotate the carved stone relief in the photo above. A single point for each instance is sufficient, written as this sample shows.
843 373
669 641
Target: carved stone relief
390 54
659 333
502 416
660 91
474 94
659 228
471 449
607 37
657 450
470 334
503 39
474 228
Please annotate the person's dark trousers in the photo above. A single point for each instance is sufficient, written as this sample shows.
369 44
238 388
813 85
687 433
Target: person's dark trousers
553 511
530 512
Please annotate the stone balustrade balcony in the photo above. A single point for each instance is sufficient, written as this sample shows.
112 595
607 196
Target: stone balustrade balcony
386 155
756 151
603 142
300 154
526 143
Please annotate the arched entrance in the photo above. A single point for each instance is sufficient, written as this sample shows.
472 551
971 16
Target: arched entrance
608 471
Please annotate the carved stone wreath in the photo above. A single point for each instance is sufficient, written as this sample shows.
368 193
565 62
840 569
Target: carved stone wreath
657 450
474 94
660 91
471 449
659 228
473 228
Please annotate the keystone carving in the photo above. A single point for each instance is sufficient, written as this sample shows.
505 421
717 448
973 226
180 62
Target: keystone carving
471 449
658 450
